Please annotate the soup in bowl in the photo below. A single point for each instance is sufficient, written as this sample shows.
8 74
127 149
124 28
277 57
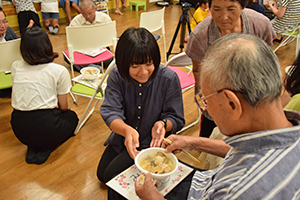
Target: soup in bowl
154 160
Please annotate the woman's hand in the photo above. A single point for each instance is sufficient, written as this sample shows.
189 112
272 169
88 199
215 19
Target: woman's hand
158 133
132 142
147 190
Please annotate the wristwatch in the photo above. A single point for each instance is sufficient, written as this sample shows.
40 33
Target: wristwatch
165 122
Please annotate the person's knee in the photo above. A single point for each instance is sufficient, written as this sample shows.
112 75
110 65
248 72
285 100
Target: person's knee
67 3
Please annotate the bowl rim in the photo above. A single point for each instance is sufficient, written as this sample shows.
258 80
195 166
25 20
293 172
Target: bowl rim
153 174
84 68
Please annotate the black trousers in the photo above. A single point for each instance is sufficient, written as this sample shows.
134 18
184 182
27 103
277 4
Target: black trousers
24 17
113 163
44 129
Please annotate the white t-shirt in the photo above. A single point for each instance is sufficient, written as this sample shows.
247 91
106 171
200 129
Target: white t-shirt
49 6
37 86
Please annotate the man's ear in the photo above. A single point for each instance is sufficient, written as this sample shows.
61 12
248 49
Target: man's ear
234 104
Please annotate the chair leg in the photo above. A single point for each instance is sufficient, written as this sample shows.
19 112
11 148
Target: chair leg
84 118
74 98
191 124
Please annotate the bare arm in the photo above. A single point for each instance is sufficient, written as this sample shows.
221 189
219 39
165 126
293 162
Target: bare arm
201 144
277 12
63 102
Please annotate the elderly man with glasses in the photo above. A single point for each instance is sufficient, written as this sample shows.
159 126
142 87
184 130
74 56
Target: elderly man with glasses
6 33
241 87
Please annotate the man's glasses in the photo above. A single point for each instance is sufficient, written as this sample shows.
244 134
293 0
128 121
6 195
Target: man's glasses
202 100
4 22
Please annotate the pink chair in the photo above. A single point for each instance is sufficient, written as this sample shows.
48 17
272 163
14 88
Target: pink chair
88 39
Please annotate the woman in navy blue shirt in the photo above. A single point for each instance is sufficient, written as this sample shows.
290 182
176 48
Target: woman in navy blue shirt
143 102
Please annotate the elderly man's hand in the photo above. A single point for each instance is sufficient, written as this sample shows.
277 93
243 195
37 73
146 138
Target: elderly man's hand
147 190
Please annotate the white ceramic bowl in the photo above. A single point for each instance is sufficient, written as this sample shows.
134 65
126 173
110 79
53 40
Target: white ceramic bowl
90 73
154 150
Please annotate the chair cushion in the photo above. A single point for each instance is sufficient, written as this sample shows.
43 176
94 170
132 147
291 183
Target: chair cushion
5 81
82 59
185 79
85 90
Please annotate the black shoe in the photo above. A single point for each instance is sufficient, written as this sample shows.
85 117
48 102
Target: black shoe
31 155
42 156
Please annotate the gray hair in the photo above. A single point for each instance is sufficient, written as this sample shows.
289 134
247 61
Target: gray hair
86 3
243 63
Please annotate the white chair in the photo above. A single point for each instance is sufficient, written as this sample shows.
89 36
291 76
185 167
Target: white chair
85 38
290 36
98 95
154 21
187 81
10 51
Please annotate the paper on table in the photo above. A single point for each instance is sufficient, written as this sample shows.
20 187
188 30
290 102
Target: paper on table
92 84
124 182
93 52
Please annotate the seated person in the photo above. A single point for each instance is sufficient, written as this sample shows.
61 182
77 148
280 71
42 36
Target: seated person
41 118
66 5
89 16
286 14
142 105
202 11
6 33
265 139
49 10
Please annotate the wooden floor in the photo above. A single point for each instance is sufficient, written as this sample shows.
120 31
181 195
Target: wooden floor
70 171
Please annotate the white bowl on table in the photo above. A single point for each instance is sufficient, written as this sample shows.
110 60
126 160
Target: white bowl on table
90 73
154 150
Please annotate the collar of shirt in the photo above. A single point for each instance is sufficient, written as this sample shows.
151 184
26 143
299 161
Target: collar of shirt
2 38
270 139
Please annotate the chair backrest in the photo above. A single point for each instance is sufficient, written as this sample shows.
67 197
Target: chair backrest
180 59
10 51
153 20
91 37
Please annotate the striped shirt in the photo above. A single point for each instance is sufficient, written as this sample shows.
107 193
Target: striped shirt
291 17
260 165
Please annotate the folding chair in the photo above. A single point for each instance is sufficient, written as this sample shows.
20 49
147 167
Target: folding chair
290 36
84 38
186 80
154 21
10 51
98 95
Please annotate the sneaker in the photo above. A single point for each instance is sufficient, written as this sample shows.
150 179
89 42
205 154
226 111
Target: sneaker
55 30
50 27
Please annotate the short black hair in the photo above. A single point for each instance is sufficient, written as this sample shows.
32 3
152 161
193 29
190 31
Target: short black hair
243 3
1 10
292 79
36 47
136 46
200 2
